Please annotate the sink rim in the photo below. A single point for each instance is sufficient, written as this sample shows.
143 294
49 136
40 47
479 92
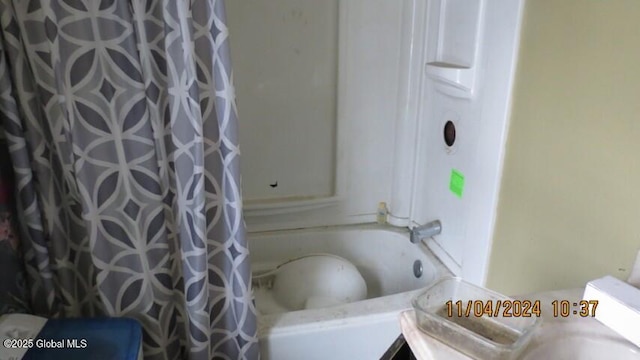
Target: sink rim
553 339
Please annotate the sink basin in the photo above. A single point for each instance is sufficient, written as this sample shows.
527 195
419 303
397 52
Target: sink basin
564 343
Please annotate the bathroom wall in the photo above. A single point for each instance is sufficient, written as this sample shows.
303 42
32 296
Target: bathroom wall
569 208
317 84
285 58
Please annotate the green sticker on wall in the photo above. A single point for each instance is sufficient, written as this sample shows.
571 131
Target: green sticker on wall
456 183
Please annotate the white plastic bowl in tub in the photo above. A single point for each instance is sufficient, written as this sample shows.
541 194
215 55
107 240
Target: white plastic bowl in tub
359 330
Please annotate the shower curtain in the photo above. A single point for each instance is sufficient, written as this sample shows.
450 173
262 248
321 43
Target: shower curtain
120 121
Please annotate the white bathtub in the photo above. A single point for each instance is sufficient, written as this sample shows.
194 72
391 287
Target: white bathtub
361 330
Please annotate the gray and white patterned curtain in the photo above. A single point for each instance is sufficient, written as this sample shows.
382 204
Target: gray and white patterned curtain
121 124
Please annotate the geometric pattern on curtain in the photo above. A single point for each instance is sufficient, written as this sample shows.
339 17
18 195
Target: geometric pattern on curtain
121 123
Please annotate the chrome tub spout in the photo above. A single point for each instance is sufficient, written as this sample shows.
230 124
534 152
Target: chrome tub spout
425 231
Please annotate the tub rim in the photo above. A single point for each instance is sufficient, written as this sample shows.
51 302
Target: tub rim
374 309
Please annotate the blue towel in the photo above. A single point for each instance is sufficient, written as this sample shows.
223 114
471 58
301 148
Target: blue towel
90 338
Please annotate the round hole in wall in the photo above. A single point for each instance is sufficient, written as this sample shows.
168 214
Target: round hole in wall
449 133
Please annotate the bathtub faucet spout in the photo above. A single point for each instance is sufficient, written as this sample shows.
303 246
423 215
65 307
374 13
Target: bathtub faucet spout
425 231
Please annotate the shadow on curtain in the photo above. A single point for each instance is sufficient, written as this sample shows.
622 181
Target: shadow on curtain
121 125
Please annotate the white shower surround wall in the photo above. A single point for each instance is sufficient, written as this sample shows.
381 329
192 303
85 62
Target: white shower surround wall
388 131
361 330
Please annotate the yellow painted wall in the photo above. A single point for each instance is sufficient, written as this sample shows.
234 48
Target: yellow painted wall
569 206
